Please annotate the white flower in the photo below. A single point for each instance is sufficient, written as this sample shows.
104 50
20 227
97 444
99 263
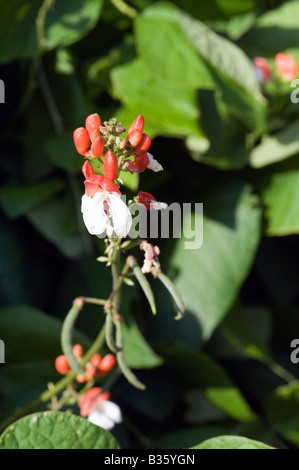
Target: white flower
96 219
105 414
153 164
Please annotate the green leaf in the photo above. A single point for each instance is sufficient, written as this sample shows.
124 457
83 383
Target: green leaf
66 23
221 54
32 341
276 30
280 196
199 370
172 108
138 353
210 277
18 200
283 411
56 430
278 147
168 53
237 330
231 442
56 220
188 437
233 70
61 152
131 181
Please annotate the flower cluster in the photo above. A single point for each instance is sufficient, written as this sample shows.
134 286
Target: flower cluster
102 207
98 366
286 67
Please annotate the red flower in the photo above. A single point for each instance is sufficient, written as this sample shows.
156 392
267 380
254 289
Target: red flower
146 198
139 164
286 65
91 398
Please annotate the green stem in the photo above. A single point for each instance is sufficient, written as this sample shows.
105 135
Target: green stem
124 8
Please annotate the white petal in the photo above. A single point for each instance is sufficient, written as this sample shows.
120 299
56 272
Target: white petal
112 411
153 163
105 414
121 216
100 419
94 216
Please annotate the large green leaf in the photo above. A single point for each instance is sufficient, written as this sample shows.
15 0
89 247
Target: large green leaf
171 107
231 442
18 200
188 437
210 277
280 196
56 430
199 370
233 70
276 30
283 411
57 220
66 23
168 53
278 147
224 56
32 342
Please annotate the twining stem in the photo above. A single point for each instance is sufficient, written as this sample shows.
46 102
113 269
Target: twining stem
58 387
124 8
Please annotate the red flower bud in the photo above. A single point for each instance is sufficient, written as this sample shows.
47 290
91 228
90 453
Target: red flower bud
144 144
87 170
92 123
96 359
135 137
146 199
107 363
138 124
62 365
110 166
97 147
286 65
78 350
90 372
81 140
139 164
94 135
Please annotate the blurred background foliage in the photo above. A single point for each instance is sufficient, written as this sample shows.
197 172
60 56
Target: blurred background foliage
222 140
